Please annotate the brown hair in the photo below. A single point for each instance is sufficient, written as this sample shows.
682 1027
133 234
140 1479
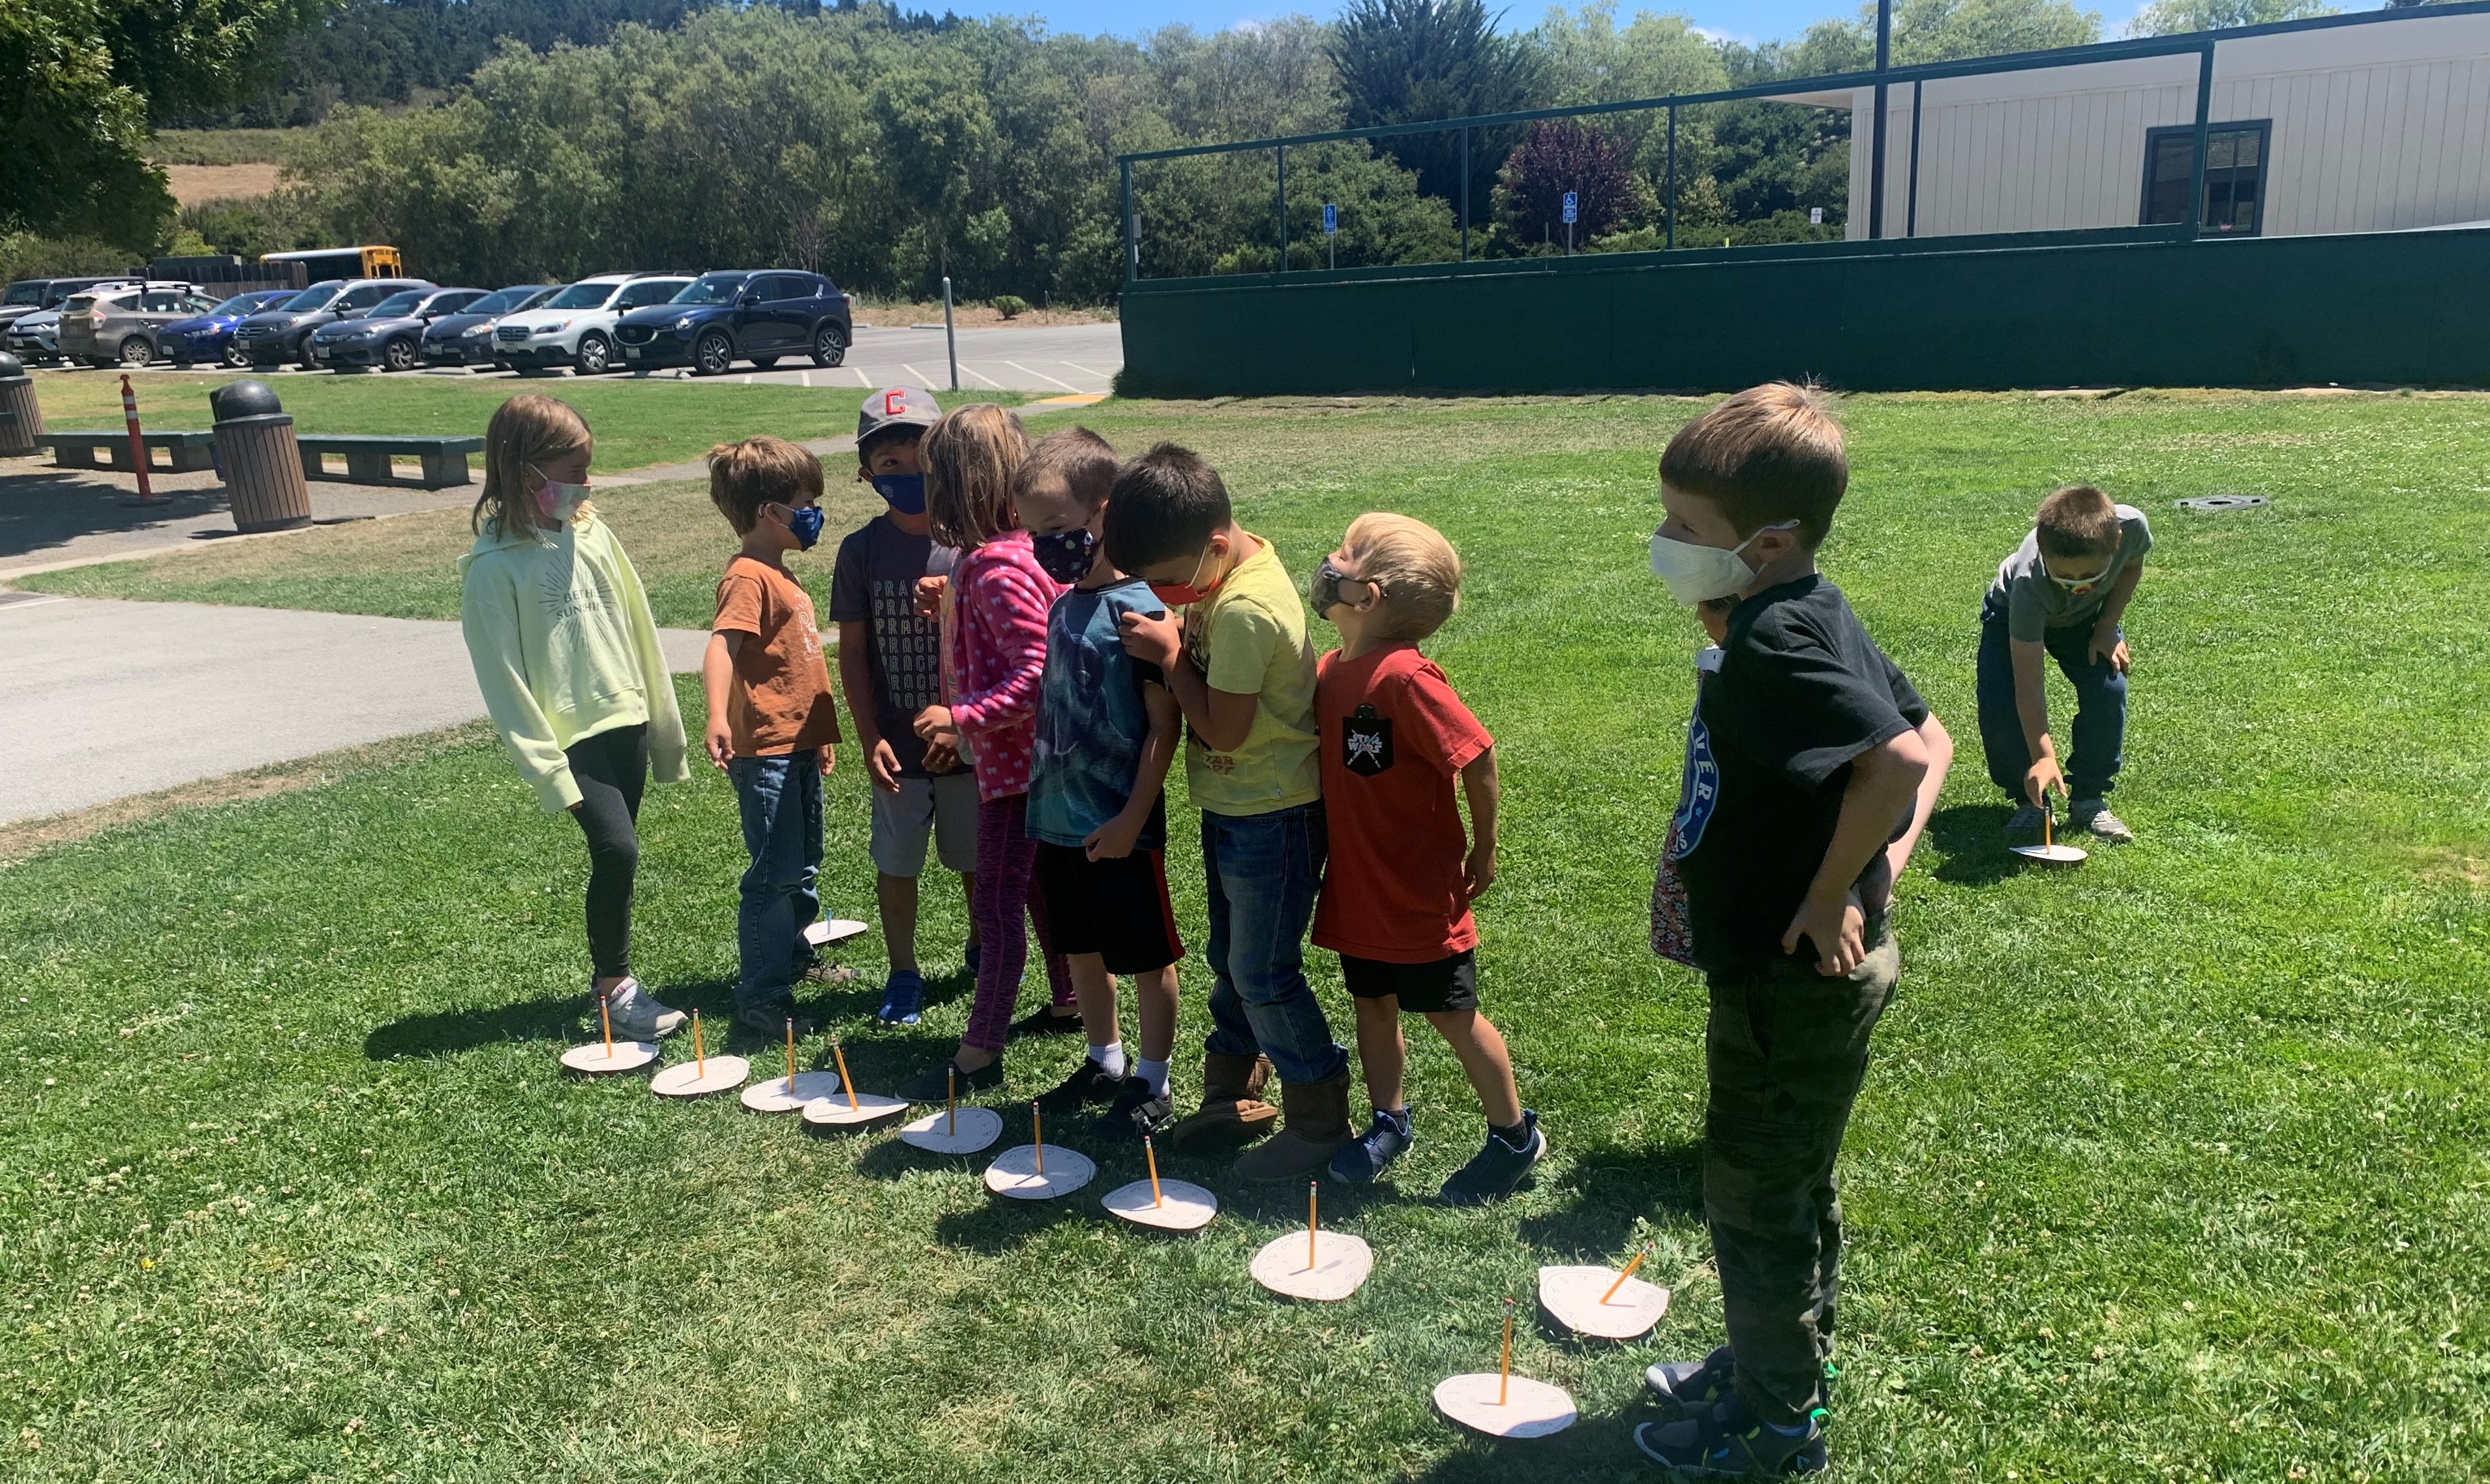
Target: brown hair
531 429
969 458
1416 570
1166 504
1771 453
1084 461
2077 521
758 471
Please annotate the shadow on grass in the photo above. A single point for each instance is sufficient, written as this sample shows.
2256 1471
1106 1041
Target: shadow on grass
562 1017
1607 1189
1594 1448
1973 839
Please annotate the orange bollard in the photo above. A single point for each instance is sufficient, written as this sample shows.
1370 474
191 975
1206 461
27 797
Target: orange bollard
137 444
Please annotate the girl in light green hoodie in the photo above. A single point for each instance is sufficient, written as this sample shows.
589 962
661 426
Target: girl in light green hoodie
566 655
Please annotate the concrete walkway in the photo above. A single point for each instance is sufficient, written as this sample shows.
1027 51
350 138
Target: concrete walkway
244 687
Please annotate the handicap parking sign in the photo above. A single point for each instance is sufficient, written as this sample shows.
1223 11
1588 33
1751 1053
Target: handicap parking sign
1570 200
1331 217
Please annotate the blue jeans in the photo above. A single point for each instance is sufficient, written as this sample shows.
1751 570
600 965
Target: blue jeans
1261 872
781 802
2100 727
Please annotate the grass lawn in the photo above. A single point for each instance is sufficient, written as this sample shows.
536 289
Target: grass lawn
2172 1167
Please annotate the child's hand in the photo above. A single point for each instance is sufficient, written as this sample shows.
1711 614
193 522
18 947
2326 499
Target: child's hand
2042 779
2107 645
881 764
933 722
830 758
1113 839
941 756
719 740
928 596
1835 927
1478 872
1158 641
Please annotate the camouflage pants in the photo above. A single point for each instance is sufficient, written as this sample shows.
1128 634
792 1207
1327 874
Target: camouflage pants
1785 1051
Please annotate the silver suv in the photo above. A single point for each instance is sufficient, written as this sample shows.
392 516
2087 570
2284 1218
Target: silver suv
104 327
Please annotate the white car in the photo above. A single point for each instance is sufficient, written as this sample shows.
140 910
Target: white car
575 328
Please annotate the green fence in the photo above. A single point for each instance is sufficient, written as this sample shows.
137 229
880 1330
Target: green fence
2132 307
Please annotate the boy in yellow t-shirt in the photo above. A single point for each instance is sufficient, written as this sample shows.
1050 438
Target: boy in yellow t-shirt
1242 668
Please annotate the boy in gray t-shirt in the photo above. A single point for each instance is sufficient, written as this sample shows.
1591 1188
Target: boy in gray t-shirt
2062 594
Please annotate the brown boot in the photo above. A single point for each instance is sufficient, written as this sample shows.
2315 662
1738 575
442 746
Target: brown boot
1316 1127
1233 1110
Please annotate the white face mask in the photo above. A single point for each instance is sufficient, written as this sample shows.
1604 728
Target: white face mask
1697 574
554 498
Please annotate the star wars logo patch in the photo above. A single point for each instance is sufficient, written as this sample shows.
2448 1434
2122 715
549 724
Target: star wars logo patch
1366 743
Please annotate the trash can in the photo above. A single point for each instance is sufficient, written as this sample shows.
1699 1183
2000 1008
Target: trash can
262 465
21 419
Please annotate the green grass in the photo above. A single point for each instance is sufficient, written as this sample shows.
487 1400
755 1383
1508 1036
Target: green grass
2172 1167
226 145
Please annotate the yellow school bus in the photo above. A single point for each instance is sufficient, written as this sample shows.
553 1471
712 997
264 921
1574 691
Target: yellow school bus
320 263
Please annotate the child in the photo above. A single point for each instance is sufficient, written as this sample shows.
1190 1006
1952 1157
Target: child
998 656
770 718
890 666
2062 594
1396 901
1815 738
1105 734
1243 674
566 655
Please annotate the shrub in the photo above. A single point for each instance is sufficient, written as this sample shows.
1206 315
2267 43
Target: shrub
1010 305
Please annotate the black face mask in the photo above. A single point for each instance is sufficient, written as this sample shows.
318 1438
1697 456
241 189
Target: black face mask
1324 588
1065 555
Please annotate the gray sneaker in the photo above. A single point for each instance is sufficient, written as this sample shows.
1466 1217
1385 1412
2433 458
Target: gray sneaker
2026 826
636 1014
2093 817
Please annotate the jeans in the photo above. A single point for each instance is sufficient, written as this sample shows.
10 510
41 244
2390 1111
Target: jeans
1261 872
2100 727
780 799
1785 1053
1005 893
610 768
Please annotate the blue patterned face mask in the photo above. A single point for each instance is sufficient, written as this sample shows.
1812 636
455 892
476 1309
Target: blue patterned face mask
1065 555
904 493
806 523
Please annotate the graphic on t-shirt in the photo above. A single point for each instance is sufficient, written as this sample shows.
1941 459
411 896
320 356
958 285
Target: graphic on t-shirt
1366 743
909 648
1698 789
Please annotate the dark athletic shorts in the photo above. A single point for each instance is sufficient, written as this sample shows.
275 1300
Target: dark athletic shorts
1115 908
1447 984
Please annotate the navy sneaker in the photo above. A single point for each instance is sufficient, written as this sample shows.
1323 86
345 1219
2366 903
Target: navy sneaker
1136 1112
936 1083
1730 1441
1088 1086
1044 1022
903 998
1694 1385
1361 1160
1495 1170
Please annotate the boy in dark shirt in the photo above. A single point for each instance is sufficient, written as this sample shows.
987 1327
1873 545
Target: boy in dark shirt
1816 760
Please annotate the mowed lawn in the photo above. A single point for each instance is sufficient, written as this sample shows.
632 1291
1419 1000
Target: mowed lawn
2171 1167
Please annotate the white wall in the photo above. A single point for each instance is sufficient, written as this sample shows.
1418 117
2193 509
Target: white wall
2375 128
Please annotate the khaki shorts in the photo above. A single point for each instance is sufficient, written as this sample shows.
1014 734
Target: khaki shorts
945 807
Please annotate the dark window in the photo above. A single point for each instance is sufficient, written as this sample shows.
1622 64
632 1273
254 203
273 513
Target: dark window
2235 170
365 298
649 291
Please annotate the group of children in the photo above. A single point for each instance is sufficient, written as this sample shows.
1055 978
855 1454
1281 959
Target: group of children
1020 687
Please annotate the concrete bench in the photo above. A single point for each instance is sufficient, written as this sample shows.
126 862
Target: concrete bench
368 458
189 453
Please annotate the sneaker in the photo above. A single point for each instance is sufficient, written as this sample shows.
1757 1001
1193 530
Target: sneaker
1495 1170
768 1019
1137 1112
636 1014
935 1084
903 998
1729 1440
1694 1385
2093 817
1361 1160
1089 1085
1044 1022
2025 827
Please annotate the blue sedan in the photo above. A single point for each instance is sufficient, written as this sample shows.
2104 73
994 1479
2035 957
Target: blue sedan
210 336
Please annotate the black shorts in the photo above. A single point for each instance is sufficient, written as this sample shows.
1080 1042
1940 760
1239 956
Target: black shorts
1115 908
1447 984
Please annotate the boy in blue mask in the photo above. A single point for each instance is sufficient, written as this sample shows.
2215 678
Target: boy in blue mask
890 668
770 717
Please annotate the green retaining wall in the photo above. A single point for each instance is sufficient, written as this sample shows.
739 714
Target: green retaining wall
2135 307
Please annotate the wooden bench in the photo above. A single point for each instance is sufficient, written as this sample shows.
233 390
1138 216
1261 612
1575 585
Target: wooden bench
189 453
368 458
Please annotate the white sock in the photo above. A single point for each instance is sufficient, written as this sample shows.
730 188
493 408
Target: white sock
1110 1058
1155 1074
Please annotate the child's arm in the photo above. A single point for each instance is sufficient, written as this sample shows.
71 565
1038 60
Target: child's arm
488 613
717 683
855 678
2106 644
1222 719
1113 839
1884 780
2032 709
1479 786
1007 610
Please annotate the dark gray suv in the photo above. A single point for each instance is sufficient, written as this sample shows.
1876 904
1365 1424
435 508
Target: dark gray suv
285 333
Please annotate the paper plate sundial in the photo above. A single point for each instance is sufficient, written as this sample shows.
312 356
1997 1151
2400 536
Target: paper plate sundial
1040 1172
846 1108
1169 1205
822 932
789 1095
953 1131
1314 1263
1504 1405
1601 1302
605 1058
702 1074
2052 854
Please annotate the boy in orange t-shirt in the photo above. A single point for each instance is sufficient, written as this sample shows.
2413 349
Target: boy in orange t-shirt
770 718
1396 899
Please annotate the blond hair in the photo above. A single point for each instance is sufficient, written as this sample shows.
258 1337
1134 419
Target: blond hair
1412 566
758 471
2077 521
1770 454
529 430
969 457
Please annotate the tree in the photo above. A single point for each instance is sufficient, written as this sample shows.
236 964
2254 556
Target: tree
1559 155
2174 17
1411 61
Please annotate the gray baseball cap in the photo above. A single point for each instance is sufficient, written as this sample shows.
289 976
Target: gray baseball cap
896 407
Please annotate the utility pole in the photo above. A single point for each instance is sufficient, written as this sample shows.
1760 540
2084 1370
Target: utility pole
1876 137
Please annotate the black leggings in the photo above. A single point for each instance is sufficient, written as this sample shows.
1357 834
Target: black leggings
610 768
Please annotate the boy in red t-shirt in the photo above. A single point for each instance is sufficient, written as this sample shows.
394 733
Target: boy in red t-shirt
1396 899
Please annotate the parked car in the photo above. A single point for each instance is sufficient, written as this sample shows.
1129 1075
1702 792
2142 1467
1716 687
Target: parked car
285 333
32 296
466 338
575 328
209 337
741 314
118 326
391 336
36 339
